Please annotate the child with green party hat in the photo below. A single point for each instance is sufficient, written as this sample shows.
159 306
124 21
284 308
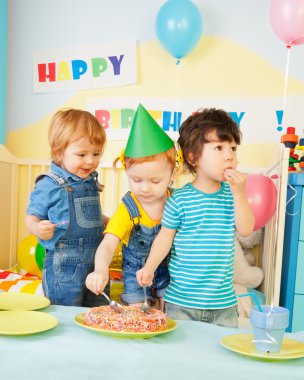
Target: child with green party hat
150 163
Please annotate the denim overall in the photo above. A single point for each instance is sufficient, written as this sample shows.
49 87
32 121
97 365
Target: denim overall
66 268
135 256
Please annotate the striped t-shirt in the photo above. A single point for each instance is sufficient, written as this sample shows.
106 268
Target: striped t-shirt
202 255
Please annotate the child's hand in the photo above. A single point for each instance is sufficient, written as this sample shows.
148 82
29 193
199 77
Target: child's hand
97 281
144 276
45 229
236 180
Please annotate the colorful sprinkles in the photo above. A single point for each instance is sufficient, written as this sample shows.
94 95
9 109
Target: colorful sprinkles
132 319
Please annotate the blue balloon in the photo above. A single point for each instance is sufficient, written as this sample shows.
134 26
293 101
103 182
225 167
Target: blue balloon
179 26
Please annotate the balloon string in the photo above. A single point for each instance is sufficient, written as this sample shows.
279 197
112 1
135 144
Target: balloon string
275 166
291 198
178 65
286 80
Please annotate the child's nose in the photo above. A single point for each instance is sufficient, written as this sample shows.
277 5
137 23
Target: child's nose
229 155
89 159
145 186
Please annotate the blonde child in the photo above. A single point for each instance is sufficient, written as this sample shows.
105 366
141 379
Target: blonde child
64 209
199 223
149 160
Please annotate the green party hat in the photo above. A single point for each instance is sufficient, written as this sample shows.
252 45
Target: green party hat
146 137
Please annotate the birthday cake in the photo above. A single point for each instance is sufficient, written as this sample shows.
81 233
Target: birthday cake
130 319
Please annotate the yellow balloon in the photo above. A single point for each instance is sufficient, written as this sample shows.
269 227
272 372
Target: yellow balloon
26 256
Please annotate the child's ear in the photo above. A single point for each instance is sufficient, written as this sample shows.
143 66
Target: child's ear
191 158
58 158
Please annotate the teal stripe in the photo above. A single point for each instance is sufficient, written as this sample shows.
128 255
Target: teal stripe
202 256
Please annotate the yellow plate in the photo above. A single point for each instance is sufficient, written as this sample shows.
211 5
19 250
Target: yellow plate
24 322
242 344
171 325
22 301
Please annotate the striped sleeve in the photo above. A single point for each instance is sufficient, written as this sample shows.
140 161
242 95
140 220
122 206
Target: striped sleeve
171 215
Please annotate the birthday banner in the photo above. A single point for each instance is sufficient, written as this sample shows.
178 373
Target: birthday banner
260 120
106 65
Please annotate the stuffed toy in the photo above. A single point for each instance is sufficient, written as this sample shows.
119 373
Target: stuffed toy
246 274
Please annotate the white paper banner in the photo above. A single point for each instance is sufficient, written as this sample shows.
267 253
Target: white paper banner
107 65
261 120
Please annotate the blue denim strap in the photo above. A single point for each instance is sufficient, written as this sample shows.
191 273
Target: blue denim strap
99 186
131 205
58 179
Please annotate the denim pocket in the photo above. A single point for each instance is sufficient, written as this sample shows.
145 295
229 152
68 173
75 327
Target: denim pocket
141 244
131 266
69 269
88 212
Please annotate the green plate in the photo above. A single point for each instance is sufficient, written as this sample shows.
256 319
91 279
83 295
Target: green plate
171 325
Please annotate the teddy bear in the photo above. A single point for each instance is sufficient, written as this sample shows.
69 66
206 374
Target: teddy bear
246 274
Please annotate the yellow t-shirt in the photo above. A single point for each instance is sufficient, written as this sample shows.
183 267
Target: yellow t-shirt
121 225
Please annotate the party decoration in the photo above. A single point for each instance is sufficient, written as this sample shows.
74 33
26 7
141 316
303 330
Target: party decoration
146 137
287 20
39 256
262 198
26 255
178 27
300 147
290 140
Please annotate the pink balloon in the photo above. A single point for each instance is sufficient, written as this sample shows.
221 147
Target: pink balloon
262 198
287 20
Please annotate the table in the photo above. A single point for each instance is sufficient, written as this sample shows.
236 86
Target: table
192 351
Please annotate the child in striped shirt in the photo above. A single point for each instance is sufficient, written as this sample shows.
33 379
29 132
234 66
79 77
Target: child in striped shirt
199 223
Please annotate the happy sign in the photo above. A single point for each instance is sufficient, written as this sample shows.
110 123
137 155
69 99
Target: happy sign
71 69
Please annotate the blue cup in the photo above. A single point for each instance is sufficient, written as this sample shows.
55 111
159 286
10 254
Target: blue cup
269 327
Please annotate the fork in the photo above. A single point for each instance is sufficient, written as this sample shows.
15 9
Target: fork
145 306
113 304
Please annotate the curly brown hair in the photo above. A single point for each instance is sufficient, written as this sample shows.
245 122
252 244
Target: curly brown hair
194 131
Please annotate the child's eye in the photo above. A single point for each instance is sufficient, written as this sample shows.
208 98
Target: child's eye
218 147
97 154
155 181
80 155
234 148
136 180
